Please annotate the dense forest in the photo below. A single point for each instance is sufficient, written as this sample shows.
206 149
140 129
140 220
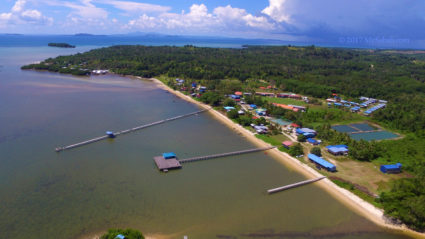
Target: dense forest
318 72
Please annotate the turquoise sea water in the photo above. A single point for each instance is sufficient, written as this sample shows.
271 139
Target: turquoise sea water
114 183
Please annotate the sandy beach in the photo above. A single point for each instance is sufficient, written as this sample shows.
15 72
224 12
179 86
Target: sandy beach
349 199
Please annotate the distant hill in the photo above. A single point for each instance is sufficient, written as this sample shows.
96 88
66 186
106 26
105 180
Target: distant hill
83 35
88 35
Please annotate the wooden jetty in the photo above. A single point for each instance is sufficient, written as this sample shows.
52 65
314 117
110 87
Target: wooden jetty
294 185
164 164
224 154
59 149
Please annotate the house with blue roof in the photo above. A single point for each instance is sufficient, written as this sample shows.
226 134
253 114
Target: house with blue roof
313 141
261 112
320 162
235 97
337 149
308 133
120 236
392 168
355 109
202 89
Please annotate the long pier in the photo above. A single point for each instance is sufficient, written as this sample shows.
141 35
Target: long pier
59 149
294 185
224 154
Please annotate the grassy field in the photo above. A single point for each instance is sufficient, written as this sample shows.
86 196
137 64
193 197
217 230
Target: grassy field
286 101
275 140
366 174
320 115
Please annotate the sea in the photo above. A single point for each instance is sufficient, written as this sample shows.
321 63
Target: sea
114 183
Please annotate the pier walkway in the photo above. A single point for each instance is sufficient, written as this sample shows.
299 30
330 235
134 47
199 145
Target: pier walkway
59 149
164 164
224 154
294 185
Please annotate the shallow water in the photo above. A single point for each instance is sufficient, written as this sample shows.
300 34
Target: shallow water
114 183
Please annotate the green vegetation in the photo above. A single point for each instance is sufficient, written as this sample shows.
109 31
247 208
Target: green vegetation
275 140
233 114
406 201
301 138
63 45
229 102
286 101
211 98
317 151
359 150
55 68
315 72
360 191
128 233
296 150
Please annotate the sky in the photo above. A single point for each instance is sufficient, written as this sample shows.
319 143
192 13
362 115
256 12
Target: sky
316 20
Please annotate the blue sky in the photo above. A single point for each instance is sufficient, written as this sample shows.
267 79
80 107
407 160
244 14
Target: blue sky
316 20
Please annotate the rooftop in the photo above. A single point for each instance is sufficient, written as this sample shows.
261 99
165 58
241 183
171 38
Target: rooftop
169 155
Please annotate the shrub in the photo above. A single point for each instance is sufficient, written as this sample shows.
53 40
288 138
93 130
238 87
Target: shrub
128 233
316 151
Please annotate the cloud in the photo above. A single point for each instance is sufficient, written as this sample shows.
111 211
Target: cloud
238 17
31 15
276 11
18 15
330 18
200 20
85 9
19 5
135 7
143 22
5 16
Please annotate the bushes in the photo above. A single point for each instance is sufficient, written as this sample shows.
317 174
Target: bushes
211 98
316 151
301 138
229 102
233 114
406 201
244 120
128 233
296 150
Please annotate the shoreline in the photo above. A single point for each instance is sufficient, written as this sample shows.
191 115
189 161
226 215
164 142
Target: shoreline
344 196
